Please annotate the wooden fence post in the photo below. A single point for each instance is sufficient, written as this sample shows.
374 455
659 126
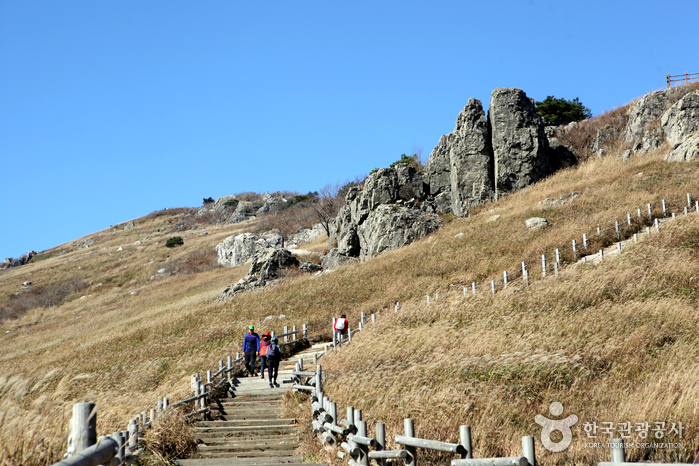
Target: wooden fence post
575 250
286 337
381 440
473 287
373 318
133 435
650 213
152 414
363 319
601 254
616 226
628 219
599 231
465 440
305 331
83 428
584 240
319 378
689 200
492 286
525 274
639 212
409 427
664 209
558 256
543 265
504 279
616 447
657 226
361 431
528 450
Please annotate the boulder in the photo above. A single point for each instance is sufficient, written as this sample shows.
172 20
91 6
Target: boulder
129 226
688 151
520 147
393 226
86 243
202 211
220 203
535 223
334 258
239 249
550 202
343 233
310 267
269 263
21 260
647 110
682 119
265 270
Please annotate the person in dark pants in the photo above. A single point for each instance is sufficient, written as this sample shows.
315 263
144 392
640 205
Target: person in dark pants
264 343
274 355
251 346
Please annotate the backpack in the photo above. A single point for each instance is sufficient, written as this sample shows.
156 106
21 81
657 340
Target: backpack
340 324
273 352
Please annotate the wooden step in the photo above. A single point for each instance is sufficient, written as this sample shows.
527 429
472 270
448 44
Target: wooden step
267 461
252 422
246 454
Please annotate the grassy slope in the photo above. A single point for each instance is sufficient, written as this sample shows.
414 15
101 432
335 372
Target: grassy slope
612 342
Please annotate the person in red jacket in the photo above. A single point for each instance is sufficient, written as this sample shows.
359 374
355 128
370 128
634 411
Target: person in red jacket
264 343
341 327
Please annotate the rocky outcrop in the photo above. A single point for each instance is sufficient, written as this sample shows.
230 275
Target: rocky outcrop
687 151
488 157
21 260
244 211
460 168
266 269
374 210
647 110
392 226
239 249
682 119
272 203
520 147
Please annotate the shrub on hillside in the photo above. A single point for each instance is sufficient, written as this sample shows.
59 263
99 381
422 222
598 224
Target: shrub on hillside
208 200
556 112
232 203
174 241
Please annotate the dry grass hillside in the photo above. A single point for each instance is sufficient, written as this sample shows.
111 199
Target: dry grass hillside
615 342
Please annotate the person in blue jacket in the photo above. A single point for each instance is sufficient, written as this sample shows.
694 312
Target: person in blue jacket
251 347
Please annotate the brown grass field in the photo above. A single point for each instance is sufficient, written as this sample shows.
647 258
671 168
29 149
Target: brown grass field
613 342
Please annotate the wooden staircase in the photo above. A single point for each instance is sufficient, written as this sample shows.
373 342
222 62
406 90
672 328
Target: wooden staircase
250 430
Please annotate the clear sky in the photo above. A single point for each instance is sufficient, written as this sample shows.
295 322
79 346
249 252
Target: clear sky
110 110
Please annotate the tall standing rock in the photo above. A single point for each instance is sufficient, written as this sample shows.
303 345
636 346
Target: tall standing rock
647 110
520 147
470 159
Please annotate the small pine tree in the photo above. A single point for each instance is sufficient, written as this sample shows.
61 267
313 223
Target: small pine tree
556 112
174 241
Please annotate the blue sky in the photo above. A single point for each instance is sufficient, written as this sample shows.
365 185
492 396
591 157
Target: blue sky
110 110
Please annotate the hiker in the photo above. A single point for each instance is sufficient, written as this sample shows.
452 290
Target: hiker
251 346
341 326
264 343
274 355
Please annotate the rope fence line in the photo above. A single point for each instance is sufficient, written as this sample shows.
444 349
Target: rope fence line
632 228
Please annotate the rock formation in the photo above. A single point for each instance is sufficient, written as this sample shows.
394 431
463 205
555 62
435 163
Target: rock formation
647 110
682 119
484 158
266 269
520 147
239 249
687 151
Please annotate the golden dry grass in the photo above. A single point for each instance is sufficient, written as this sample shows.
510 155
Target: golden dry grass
609 341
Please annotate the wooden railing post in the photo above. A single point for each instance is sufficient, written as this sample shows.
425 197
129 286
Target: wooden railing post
409 428
305 331
381 440
465 441
83 432
528 450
